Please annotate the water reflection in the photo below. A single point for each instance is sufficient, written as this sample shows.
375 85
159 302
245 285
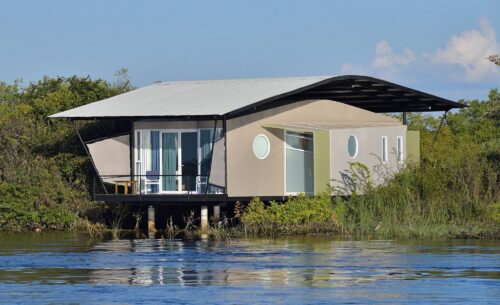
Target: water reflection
369 270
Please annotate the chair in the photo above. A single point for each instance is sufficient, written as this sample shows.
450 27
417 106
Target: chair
201 184
153 180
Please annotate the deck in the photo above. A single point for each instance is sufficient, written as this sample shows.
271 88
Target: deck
179 199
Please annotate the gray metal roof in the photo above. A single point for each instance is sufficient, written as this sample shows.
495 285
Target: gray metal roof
189 98
240 96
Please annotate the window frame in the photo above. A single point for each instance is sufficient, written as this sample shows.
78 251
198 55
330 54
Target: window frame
286 146
268 146
400 149
385 149
357 146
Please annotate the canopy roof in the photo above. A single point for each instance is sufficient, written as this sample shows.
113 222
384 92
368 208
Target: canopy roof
231 98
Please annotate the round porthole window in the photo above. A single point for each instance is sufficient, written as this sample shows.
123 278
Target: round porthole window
352 146
261 146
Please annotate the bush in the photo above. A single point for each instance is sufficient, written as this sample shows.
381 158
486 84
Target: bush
44 173
299 215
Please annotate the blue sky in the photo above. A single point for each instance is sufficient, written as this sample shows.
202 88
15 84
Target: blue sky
435 46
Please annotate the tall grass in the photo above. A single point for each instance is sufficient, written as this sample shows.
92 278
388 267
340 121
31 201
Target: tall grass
456 196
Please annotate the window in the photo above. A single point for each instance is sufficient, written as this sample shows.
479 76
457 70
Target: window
138 146
138 162
302 141
299 163
261 146
352 146
153 175
385 156
174 160
400 149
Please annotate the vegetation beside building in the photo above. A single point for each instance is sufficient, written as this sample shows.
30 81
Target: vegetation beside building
44 175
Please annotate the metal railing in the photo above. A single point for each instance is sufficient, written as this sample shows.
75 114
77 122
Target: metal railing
153 183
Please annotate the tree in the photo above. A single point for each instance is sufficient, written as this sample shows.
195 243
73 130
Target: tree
122 83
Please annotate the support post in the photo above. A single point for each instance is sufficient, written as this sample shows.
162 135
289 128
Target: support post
88 154
151 220
438 130
224 129
216 213
204 219
211 156
405 118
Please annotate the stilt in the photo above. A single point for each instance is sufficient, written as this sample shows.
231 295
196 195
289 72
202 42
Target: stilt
204 219
151 220
216 213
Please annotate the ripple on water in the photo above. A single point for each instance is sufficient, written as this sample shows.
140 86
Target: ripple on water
70 268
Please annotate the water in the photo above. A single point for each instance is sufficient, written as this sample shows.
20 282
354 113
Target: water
68 268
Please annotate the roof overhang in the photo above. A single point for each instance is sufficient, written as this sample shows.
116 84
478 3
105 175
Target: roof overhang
368 93
208 100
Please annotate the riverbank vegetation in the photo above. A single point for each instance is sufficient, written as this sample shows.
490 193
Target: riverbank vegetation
45 177
44 174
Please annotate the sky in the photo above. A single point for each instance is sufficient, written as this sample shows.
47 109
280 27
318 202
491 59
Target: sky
440 47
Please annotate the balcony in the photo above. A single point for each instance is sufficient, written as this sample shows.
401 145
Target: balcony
154 187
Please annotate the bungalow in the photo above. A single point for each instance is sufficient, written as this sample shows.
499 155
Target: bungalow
219 141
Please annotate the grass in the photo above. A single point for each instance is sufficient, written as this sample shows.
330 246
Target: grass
455 197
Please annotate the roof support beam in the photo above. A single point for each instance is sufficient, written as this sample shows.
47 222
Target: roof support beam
211 157
88 154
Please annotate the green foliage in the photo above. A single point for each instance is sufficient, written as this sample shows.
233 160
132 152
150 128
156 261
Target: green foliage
301 214
454 191
44 174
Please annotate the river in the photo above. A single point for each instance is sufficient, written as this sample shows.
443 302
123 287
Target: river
69 268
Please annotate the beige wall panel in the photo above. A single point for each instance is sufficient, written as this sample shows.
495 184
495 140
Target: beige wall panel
250 176
217 168
119 164
369 151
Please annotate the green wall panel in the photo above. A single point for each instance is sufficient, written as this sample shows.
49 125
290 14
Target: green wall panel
321 160
413 146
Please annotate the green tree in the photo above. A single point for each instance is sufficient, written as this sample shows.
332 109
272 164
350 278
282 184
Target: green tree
44 173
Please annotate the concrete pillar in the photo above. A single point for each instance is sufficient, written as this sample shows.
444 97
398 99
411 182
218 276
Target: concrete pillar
204 219
151 219
216 213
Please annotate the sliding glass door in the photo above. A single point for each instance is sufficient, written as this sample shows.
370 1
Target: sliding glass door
179 162
189 160
299 163
174 161
170 161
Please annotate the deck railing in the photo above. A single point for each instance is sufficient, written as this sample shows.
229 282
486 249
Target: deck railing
153 183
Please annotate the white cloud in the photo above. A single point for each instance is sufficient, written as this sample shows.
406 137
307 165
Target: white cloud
385 58
386 63
470 50
464 58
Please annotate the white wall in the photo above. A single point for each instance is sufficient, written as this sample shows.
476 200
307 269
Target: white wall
369 151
